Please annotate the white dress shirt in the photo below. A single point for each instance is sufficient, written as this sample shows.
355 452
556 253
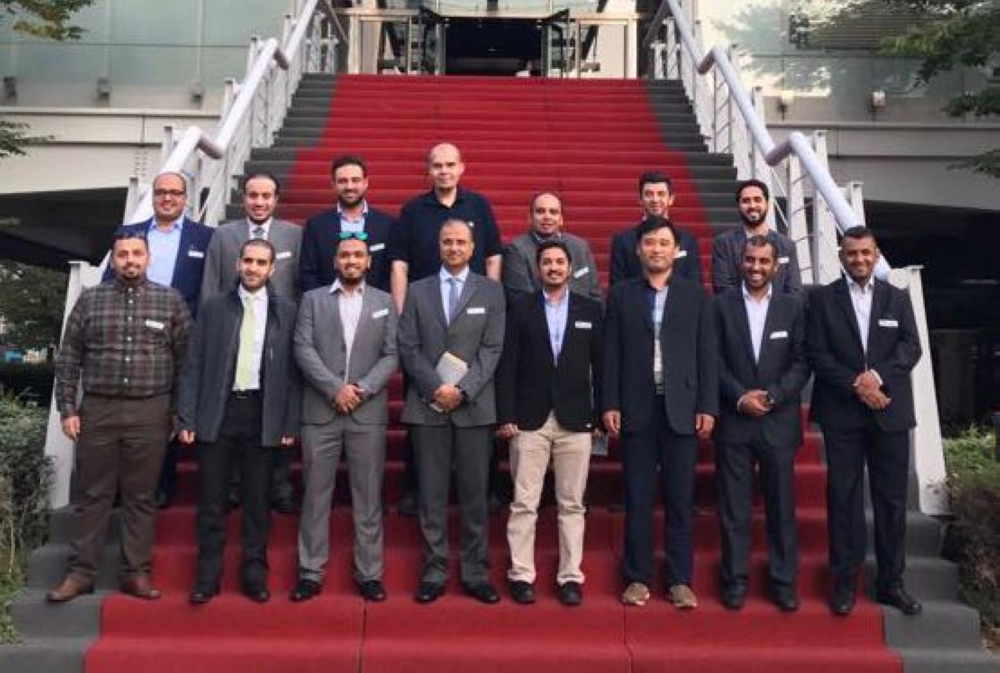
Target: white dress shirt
444 276
556 315
259 299
756 317
861 299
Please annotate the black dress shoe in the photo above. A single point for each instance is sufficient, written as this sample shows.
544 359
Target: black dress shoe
785 597
734 596
304 590
570 593
843 597
258 593
897 597
372 590
522 592
484 592
428 592
201 596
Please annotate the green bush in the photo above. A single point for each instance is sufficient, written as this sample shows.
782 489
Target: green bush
28 381
974 535
25 477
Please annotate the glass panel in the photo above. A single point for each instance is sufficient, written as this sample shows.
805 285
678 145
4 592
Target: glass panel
603 49
233 22
156 23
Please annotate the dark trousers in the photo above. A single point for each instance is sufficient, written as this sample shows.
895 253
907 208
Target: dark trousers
120 449
437 448
887 455
238 436
735 478
658 448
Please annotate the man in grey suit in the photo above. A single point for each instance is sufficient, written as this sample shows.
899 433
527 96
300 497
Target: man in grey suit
519 272
450 340
345 345
260 198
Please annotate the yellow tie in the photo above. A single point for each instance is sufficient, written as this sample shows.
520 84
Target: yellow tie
244 359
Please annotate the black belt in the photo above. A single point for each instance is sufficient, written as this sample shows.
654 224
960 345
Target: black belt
246 394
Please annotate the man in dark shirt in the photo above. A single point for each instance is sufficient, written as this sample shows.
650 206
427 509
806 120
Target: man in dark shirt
127 339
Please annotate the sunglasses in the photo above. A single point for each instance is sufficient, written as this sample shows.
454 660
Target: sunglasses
357 235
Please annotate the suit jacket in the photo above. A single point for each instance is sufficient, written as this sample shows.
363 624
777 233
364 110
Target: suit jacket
519 272
210 369
190 263
833 345
319 244
727 262
321 354
688 348
781 370
531 383
475 335
625 263
224 251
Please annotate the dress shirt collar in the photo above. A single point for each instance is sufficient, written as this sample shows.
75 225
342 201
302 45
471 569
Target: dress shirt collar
260 296
558 303
748 297
339 287
462 275
855 286
538 239
125 286
177 225
364 212
265 225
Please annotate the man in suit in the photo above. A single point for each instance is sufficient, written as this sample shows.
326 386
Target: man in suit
239 395
762 368
222 267
660 393
177 248
349 177
753 198
546 392
862 342
345 344
656 195
450 340
520 271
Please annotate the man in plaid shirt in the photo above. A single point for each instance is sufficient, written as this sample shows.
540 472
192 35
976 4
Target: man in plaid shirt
126 340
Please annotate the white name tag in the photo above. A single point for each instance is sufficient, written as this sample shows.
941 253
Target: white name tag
680 254
199 254
380 314
779 335
782 260
476 310
377 247
285 254
581 324
155 324
888 322
580 273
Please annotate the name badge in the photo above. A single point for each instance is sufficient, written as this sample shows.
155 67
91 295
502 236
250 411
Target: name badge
198 254
476 310
284 254
155 324
680 254
376 247
582 324
779 335
580 273
380 314
888 322
783 260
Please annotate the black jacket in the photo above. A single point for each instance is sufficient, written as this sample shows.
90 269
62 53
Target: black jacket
319 244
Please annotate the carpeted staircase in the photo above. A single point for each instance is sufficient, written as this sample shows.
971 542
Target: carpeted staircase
588 140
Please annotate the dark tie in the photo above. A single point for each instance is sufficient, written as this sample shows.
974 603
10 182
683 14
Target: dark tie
453 294
258 231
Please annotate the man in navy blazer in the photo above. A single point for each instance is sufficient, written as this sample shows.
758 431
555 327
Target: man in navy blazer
862 342
762 368
660 392
351 214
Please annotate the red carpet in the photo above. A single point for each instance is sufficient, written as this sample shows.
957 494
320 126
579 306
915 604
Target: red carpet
589 141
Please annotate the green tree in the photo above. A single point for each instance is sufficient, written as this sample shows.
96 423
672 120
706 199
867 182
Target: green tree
31 303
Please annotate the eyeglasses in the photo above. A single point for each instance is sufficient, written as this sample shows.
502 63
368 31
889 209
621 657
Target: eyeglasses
358 235
176 193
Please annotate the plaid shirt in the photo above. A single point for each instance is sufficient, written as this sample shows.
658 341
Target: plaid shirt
128 341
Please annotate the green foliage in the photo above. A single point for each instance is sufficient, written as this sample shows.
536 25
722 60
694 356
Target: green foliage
30 381
47 19
32 301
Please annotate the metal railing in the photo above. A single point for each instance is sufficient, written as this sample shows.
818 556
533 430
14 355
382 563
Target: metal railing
732 121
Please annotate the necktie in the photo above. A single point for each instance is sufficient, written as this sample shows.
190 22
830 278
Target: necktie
244 358
452 298
258 231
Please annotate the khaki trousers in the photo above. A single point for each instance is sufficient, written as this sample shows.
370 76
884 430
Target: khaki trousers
530 453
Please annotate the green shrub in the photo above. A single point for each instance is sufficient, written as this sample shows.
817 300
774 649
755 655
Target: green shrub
29 381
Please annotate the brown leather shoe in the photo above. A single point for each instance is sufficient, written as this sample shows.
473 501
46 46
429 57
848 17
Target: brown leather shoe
140 587
71 587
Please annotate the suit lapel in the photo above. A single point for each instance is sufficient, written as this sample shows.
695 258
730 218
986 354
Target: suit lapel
435 299
743 327
468 289
880 299
183 248
843 295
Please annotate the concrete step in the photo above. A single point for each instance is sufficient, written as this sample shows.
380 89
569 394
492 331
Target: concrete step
38 619
48 655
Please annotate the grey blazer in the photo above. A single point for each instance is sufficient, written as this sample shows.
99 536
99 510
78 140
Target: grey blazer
224 250
520 271
475 335
321 354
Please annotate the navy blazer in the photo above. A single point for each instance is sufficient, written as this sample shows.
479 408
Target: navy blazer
625 263
319 244
190 263
531 383
833 345
688 347
781 370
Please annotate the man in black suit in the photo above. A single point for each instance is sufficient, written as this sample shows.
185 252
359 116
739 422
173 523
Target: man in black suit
656 195
546 391
862 342
660 391
239 395
762 368
349 177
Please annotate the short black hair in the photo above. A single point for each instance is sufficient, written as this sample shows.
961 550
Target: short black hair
752 182
653 178
860 232
653 223
348 160
761 241
260 174
258 243
123 234
548 245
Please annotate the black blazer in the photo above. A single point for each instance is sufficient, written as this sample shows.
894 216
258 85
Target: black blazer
782 369
319 242
625 263
689 352
833 345
530 384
